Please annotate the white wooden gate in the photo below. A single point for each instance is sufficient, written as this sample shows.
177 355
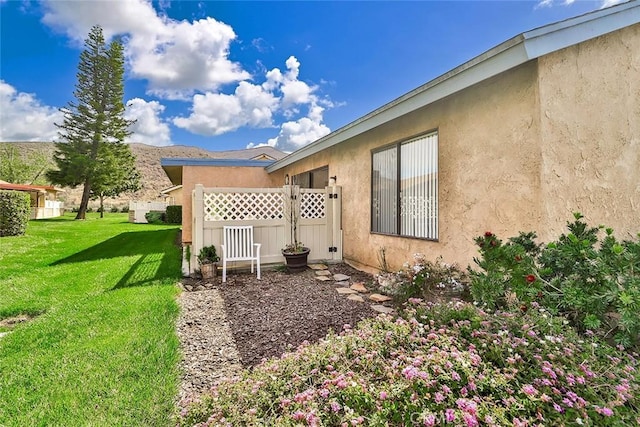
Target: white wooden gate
267 209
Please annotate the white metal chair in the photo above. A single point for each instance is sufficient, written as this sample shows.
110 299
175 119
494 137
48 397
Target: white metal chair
238 246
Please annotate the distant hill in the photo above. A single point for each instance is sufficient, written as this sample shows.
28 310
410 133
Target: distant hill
148 157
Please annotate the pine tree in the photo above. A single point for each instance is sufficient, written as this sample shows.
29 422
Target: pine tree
94 127
115 174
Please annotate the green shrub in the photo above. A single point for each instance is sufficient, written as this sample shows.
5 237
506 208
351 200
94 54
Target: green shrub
593 282
15 210
125 209
423 279
114 209
208 255
155 217
174 214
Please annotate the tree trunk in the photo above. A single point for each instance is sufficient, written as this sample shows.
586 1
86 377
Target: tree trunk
101 206
85 200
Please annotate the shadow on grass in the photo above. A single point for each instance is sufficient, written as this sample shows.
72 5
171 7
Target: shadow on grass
151 247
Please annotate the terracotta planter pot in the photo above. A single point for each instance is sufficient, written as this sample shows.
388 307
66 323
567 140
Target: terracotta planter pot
296 262
209 271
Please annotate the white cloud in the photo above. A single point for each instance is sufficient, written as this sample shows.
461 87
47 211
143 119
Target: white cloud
177 58
255 106
24 118
550 3
189 60
216 113
296 134
149 127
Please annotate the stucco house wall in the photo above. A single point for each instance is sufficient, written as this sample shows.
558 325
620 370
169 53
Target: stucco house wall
221 177
590 133
520 151
174 197
488 163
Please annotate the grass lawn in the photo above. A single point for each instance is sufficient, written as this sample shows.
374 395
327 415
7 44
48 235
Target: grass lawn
102 348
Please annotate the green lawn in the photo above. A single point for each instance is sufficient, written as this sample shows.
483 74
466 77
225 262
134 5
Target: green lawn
102 348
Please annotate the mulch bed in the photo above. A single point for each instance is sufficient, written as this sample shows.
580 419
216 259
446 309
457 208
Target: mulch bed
279 312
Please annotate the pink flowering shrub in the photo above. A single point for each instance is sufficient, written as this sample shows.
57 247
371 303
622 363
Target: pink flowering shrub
438 365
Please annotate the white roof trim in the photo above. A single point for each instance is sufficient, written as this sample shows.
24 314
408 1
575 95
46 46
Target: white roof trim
516 51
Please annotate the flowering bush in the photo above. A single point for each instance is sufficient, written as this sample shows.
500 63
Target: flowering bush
594 283
508 271
423 279
440 364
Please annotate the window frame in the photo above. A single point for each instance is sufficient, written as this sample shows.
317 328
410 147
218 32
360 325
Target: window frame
397 146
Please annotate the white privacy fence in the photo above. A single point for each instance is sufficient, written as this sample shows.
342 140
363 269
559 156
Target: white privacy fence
315 212
51 209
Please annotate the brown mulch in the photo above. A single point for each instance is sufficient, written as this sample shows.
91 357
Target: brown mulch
270 316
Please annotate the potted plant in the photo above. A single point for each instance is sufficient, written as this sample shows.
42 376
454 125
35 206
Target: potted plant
208 259
295 253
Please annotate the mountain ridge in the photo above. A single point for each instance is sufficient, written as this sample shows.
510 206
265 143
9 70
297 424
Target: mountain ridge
152 177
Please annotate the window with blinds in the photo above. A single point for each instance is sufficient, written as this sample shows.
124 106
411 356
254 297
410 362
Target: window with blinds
404 189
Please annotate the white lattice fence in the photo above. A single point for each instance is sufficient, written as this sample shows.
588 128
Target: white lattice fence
266 210
312 205
243 206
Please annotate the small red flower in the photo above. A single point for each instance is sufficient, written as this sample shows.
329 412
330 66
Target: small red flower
518 258
531 278
488 234
494 243
524 308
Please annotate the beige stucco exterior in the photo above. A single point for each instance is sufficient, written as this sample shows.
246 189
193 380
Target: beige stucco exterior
174 196
590 127
518 152
221 177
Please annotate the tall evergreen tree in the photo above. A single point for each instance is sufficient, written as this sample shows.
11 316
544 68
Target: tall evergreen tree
94 125
115 174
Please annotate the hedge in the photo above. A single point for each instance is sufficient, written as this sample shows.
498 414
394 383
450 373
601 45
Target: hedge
174 214
15 210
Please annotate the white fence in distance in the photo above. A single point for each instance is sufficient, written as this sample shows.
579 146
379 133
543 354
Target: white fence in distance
51 209
138 210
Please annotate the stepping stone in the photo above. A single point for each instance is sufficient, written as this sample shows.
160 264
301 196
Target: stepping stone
382 309
318 267
359 287
355 298
340 277
323 278
343 284
323 273
346 291
379 298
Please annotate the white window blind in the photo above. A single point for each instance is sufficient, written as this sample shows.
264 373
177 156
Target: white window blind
405 188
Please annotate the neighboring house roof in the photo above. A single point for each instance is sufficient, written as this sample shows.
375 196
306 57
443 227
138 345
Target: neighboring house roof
25 187
173 166
510 54
170 189
256 153
264 155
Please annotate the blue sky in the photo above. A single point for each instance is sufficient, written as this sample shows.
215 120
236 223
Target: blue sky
228 75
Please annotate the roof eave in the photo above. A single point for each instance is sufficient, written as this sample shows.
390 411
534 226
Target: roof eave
516 51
